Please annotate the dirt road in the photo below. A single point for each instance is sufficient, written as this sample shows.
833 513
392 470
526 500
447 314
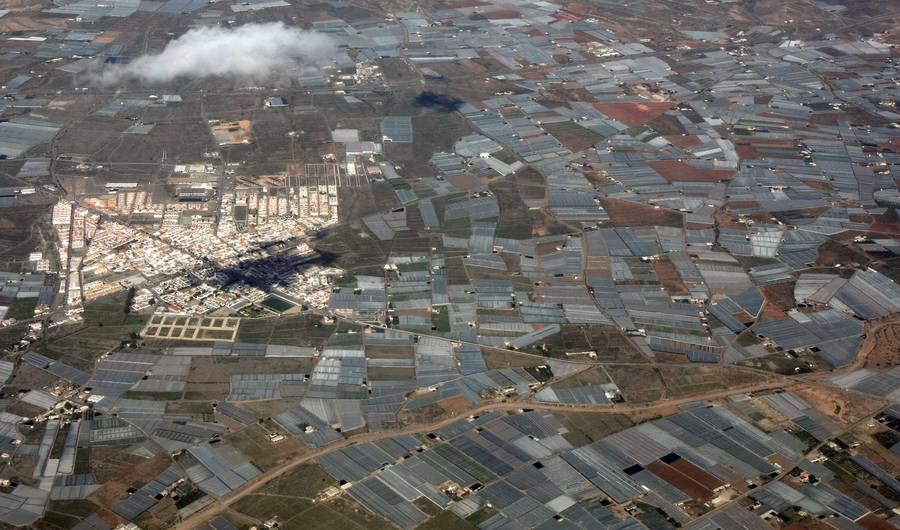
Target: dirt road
662 406
212 510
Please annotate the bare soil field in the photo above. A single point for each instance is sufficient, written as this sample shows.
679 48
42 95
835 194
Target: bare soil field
691 379
845 408
638 384
508 359
118 470
591 376
629 213
573 136
253 442
669 278
780 295
832 253
587 427
211 369
883 346
684 141
675 171
633 114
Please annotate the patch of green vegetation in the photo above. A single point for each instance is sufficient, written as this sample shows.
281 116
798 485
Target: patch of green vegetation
791 515
412 267
82 460
644 507
22 308
747 338
110 312
303 329
255 311
197 395
441 319
9 336
188 493
505 155
482 515
200 410
66 514
106 325
840 472
346 280
457 227
400 297
33 434
805 437
59 520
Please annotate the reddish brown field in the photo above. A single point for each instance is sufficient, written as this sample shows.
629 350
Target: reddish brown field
883 346
873 522
675 171
669 277
832 253
771 142
745 151
667 125
770 312
887 223
633 114
578 9
743 204
853 117
747 148
454 405
464 181
666 357
118 471
572 136
500 14
684 141
534 75
582 37
629 213
696 474
780 295
563 15
680 481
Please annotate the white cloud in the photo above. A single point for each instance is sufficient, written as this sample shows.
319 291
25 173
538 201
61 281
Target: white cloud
254 51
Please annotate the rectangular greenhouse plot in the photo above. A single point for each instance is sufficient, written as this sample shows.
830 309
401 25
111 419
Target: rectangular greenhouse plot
180 327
